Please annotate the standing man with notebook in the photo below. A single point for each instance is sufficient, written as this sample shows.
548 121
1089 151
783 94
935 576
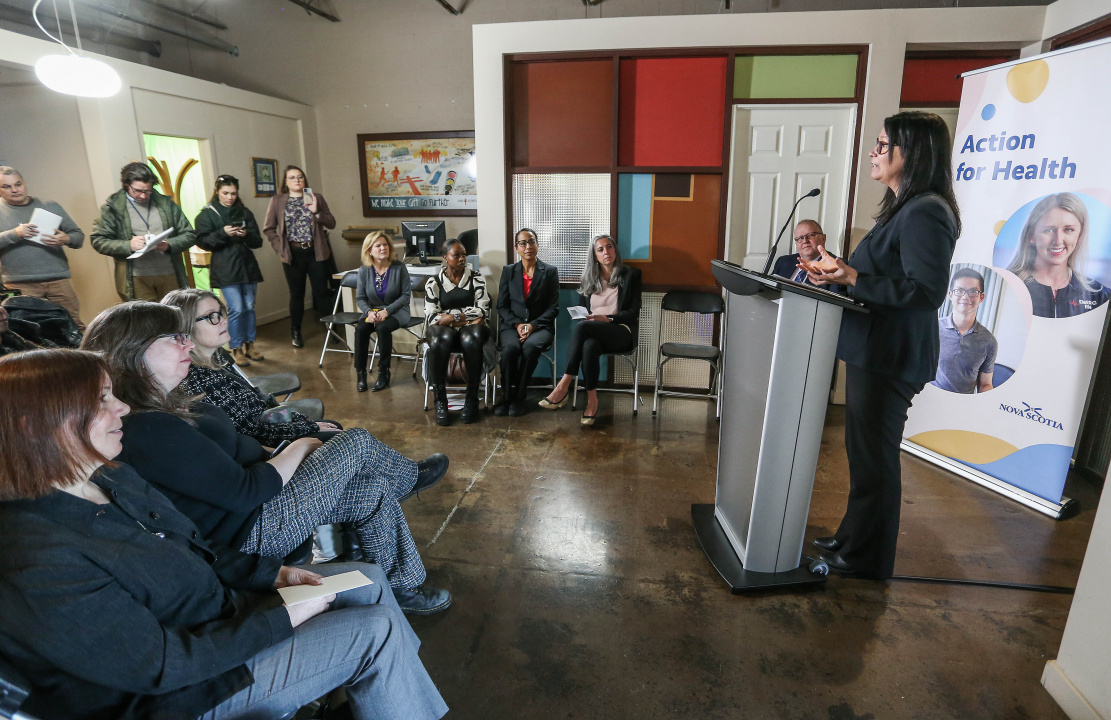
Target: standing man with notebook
127 217
33 261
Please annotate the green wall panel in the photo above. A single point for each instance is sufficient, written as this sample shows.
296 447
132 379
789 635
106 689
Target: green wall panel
794 76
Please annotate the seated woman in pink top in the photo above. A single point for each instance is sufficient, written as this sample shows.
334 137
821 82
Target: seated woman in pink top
611 290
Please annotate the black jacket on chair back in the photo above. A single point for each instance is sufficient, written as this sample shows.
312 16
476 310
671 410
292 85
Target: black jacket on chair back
542 304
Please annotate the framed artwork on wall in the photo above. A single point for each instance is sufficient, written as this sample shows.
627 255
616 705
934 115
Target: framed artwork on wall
265 173
430 174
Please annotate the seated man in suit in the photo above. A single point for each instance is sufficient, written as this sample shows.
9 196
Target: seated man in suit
528 302
808 236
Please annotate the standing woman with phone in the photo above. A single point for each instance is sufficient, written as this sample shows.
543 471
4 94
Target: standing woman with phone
295 224
227 229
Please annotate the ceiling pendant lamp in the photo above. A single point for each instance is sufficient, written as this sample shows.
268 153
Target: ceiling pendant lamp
74 74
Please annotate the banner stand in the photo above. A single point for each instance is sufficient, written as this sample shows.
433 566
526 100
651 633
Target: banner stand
1063 510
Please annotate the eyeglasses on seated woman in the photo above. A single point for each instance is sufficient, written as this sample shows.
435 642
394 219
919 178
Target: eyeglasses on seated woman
115 606
228 483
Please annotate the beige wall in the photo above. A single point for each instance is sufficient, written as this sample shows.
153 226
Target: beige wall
93 138
57 170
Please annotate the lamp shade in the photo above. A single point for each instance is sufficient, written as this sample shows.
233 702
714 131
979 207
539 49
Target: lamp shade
75 75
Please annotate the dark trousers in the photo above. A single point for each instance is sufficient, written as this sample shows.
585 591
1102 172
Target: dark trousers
302 264
518 359
875 414
385 341
589 341
444 340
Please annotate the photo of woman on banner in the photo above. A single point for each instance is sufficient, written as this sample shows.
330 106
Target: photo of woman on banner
982 329
1051 258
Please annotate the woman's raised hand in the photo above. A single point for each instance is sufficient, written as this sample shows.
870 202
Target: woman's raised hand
843 275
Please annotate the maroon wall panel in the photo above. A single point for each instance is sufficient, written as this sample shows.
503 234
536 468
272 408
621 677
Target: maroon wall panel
562 113
672 112
937 81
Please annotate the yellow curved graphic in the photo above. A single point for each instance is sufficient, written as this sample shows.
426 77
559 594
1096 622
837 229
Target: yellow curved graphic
999 226
1027 81
964 445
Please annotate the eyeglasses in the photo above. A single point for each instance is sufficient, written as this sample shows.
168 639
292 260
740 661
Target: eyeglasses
958 293
213 317
179 338
526 243
136 191
807 236
882 146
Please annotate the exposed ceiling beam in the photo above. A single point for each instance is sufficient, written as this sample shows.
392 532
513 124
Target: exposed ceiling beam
20 16
211 22
447 6
194 37
307 4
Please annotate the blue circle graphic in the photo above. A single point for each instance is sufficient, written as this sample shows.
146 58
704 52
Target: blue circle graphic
988 112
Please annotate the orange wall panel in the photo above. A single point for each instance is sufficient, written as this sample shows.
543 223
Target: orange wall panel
684 237
562 113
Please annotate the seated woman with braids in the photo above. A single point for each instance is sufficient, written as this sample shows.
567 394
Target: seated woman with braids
222 386
228 484
113 605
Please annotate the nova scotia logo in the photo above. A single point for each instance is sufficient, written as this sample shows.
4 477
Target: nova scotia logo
1031 413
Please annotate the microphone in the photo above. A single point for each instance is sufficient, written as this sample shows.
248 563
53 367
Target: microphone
771 255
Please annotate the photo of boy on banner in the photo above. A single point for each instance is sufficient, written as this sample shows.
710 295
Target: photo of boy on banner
1062 253
982 330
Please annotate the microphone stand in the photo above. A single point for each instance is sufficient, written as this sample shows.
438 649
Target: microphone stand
771 255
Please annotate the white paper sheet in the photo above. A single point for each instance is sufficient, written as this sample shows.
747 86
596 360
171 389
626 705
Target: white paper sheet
47 224
296 594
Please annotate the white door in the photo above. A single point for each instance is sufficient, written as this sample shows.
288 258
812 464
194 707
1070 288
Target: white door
780 153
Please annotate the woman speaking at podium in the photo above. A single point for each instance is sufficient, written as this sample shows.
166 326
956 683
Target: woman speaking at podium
900 270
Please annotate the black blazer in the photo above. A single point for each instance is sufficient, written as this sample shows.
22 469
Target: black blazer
903 276
785 267
542 304
628 300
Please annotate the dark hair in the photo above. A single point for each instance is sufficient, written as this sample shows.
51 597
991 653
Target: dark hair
449 243
530 231
224 181
285 188
923 139
122 334
137 172
48 401
967 273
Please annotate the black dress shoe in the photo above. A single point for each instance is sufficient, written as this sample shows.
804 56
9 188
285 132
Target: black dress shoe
837 564
295 335
502 408
383 380
518 407
430 471
360 380
829 544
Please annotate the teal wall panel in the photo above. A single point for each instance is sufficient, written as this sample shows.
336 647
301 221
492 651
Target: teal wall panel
634 215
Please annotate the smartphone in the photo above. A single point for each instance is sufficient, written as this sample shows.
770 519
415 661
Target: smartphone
281 446
308 195
239 223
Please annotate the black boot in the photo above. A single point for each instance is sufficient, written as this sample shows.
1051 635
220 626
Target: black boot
360 375
502 408
383 380
470 405
439 399
298 341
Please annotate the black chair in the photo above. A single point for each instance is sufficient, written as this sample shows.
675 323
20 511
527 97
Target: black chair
284 383
14 689
469 238
701 303
342 319
633 358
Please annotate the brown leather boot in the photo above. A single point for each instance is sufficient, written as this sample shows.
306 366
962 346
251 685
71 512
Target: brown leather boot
251 353
240 356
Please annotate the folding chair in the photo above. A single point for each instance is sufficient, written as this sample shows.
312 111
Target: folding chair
342 319
633 358
701 303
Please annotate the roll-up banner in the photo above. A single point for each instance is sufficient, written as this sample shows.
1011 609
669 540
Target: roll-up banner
1029 284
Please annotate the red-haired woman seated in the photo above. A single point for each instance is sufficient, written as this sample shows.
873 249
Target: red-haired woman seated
114 607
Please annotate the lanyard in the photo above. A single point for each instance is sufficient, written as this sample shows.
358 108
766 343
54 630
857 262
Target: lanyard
137 212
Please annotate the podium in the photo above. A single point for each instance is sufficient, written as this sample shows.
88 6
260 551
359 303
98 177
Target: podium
780 341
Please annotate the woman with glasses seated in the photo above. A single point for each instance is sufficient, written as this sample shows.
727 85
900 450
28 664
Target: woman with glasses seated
227 229
383 294
228 483
224 388
611 291
115 607
456 306
528 302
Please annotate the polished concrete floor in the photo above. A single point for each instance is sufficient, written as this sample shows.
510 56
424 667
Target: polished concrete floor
581 592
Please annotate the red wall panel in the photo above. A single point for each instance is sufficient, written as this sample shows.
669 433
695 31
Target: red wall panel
672 112
562 113
937 81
